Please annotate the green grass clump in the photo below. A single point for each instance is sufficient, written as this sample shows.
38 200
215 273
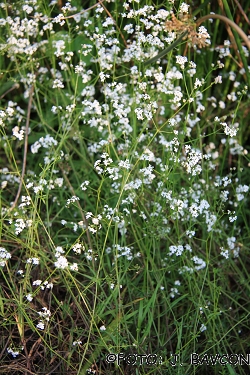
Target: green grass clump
124 189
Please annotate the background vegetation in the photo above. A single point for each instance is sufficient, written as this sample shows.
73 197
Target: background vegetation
124 188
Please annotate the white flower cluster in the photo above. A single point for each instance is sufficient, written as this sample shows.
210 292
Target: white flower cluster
178 250
21 224
77 342
174 291
231 131
45 315
71 200
58 84
121 251
203 328
102 113
200 263
43 285
19 134
184 8
62 262
192 162
47 142
89 254
239 190
14 353
181 60
35 261
78 248
26 201
4 256
21 32
146 111
233 249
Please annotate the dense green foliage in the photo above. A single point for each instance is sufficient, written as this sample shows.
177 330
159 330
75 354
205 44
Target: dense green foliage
124 188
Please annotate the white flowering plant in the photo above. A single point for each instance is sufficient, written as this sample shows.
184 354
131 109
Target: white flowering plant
124 191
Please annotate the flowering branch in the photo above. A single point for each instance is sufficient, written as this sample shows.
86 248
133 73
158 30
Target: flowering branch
25 150
230 22
189 29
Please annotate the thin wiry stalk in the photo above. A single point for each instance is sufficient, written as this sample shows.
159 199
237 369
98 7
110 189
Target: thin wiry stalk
242 12
25 147
15 86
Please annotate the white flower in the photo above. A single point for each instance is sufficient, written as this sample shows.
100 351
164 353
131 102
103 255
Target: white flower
61 263
103 328
12 352
203 328
200 263
4 255
73 267
190 233
177 250
224 253
59 19
197 83
173 292
124 164
72 200
40 325
218 79
29 297
77 248
202 31
4 184
19 134
59 250
181 60
139 113
45 314
35 147
103 76
231 131
77 342
184 8
34 261
95 221
58 84
239 190
20 224
84 185
37 282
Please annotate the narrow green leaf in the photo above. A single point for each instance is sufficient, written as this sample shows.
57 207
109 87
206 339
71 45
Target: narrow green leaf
168 49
